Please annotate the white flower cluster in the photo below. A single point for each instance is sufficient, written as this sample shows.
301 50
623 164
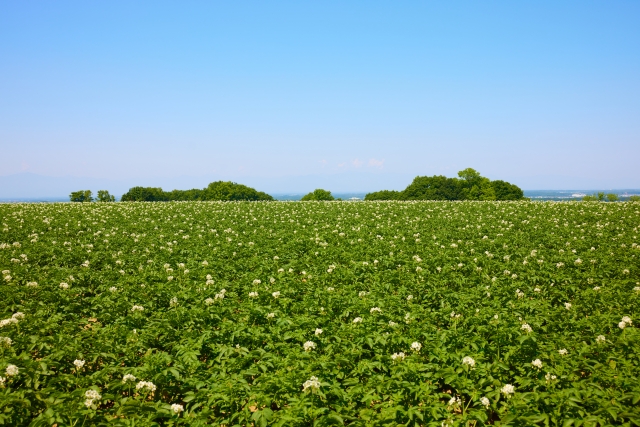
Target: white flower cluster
537 363
253 295
375 310
176 408
468 361
398 356
91 396
525 327
32 284
271 315
146 386
318 331
312 383
600 339
550 377
5 342
64 285
454 403
173 302
357 320
567 305
508 389
416 346
127 378
363 294
519 293
78 364
276 294
12 370
485 401
563 352
137 308
626 321
309 345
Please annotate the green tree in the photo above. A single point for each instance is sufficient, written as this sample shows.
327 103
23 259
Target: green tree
384 195
104 196
612 197
506 191
227 190
144 194
319 195
634 198
81 196
433 188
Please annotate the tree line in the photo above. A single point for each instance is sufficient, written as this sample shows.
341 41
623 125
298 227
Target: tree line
469 185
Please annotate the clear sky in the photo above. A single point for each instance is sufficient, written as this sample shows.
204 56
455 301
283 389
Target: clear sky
545 94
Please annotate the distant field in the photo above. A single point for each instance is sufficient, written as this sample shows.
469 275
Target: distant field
296 314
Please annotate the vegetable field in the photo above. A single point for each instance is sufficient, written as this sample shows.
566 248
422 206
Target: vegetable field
320 313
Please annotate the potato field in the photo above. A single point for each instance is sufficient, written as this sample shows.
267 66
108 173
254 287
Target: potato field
320 313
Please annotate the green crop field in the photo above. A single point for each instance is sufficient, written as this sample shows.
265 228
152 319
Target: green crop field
320 313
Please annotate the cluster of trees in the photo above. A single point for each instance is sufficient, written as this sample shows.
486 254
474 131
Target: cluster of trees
318 195
469 185
219 190
87 196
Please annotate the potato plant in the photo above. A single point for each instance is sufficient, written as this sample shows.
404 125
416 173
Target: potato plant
320 313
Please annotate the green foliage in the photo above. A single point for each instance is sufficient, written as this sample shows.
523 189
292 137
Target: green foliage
470 186
612 197
161 292
218 191
634 198
104 196
81 196
318 195
383 195
595 197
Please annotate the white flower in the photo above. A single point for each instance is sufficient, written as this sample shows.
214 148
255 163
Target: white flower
398 356
519 293
127 378
311 383
276 294
375 310
537 363
32 284
567 305
253 294
330 289
92 394
468 361
5 342
205 263
78 363
416 346
409 297
64 285
363 293
525 327
537 290
485 402
495 316
12 370
596 288
309 345
636 289
625 271
318 331
113 289
508 389
147 386
177 408
627 319
600 339
137 308
257 281
209 301
173 301
219 296
357 320
170 278
563 352
578 261
392 323
7 278
550 377
271 315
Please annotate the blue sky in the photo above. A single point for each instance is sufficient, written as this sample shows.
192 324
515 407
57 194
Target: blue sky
544 94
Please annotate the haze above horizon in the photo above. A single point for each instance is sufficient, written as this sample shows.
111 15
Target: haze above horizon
543 95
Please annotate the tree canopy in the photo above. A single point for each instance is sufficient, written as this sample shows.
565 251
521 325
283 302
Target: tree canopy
318 195
469 186
219 190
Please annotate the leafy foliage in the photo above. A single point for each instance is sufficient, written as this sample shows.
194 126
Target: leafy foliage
469 186
104 196
81 196
219 191
318 195
297 314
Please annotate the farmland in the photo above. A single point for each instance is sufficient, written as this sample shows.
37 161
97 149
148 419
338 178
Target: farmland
312 313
